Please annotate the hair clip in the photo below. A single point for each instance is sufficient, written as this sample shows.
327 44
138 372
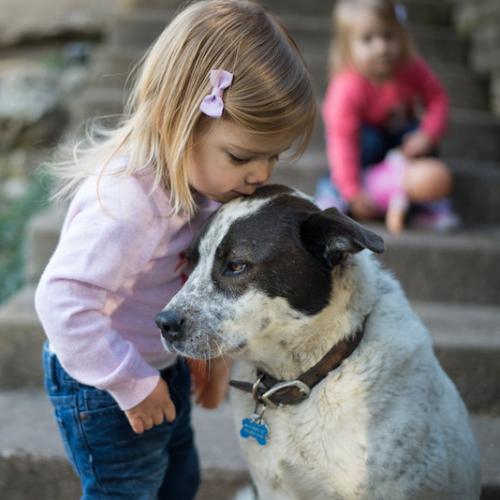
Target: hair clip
401 13
212 104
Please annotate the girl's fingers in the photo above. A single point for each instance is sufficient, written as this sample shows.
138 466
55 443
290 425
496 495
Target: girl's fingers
147 422
158 418
169 415
136 424
169 411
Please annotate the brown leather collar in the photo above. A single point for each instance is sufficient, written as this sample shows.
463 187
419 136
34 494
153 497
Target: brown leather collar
268 390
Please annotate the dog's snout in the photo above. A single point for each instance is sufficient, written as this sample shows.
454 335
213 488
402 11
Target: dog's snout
170 323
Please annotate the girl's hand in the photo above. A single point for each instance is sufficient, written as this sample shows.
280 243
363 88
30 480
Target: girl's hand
416 144
153 410
211 381
363 207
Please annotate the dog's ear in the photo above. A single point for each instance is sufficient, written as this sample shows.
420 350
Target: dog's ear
330 235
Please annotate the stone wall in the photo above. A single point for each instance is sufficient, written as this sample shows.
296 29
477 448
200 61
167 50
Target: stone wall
33 20
479 20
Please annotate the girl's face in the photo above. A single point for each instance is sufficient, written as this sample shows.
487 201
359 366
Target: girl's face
226 161
375 46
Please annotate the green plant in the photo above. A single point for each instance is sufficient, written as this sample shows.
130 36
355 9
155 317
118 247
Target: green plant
13 219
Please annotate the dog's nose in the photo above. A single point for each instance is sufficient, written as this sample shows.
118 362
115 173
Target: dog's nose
170 323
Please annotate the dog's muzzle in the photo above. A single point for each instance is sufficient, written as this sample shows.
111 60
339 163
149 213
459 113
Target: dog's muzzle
171 325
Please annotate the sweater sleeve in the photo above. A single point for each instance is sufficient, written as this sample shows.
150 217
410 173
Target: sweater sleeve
434 99
104 242
342 119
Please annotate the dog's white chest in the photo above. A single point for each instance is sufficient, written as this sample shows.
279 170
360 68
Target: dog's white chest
310 453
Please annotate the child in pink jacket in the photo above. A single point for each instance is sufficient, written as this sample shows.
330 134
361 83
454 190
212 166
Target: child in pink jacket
371 107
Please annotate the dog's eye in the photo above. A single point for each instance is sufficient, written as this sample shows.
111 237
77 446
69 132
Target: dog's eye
233 268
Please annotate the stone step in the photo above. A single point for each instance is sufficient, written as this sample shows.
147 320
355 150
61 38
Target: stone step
472 134
467 341
442 44
459 267
312 33
476 191
466 338
486 43
419 11
467 275
33 465
112 68
41 239
475 195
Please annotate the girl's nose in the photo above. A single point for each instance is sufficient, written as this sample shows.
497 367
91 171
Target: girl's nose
261 173
381 46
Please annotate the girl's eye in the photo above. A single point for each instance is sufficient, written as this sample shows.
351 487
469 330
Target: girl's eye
235 268
237 160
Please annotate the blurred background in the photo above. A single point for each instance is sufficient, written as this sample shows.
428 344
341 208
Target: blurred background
65 61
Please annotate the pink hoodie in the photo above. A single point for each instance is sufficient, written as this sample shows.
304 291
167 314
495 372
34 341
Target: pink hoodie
117 263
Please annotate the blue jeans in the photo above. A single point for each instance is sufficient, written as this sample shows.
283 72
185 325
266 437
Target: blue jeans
376 142
111 460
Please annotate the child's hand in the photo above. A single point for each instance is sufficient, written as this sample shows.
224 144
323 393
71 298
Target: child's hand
152 410
211 391
416 144
363 207
396 213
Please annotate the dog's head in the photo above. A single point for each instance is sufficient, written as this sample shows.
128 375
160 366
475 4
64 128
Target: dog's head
262 263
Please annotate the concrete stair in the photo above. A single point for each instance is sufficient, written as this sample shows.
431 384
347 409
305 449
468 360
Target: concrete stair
311 33
466 339
35 457
421 11
472 133
452 280
113 65
470 177
458 267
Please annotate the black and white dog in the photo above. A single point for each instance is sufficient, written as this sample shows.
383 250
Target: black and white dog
356 404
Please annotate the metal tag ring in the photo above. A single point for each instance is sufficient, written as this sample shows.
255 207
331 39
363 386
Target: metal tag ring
255 388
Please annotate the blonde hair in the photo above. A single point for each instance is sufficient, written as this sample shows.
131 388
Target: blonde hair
271 93
344 15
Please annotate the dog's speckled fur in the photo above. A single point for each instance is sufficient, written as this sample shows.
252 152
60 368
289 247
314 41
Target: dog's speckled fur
388 424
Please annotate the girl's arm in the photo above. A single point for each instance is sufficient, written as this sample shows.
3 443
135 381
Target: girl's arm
97 253
342 119
434 98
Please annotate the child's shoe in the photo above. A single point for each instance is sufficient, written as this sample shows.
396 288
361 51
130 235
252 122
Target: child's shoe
327 195
437 216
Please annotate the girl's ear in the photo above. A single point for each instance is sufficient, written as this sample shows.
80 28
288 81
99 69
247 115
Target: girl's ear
331 236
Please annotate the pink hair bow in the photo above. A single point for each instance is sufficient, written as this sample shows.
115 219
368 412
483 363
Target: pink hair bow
212 104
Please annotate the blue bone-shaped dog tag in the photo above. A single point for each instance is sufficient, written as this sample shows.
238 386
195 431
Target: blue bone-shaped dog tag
253 428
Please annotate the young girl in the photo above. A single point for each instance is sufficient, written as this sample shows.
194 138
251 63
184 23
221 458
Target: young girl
371 107
220 95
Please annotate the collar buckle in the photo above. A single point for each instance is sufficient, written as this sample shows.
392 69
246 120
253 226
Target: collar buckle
305 389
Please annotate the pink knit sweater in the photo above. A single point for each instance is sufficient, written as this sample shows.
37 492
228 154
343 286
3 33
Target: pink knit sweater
352 100
117 263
